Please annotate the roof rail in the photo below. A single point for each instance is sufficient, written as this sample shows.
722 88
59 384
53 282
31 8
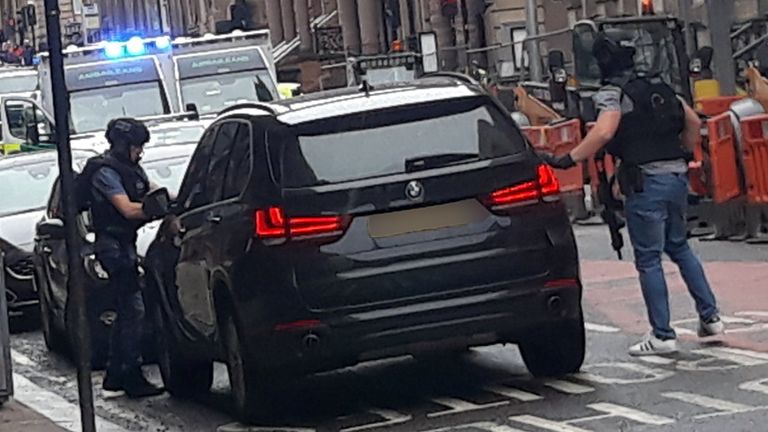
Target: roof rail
252 105
189 115
466 79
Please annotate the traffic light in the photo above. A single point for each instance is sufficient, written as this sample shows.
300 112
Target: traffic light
21 20
31 14
449 7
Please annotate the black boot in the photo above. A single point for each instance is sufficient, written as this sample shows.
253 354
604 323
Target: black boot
136 386
112 382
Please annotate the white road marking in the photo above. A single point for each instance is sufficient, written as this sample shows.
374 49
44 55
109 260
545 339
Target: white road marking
600 328
20 359
238 427
390 417
484 426
568 387
55 407
758 385
630 413
458 406
513 393
723 406
646 374
656 360
713 356
549 425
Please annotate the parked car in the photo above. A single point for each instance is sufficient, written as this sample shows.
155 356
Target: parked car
329 229
25 183
165 165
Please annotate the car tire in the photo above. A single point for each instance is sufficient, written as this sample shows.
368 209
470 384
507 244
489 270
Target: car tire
183 376
251 393
557 351
56 339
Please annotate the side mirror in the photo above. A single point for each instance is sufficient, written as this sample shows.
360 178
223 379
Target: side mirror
51 229
191 108
33 134
157 203
555 60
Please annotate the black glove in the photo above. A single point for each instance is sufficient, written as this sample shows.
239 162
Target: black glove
156 204
560 162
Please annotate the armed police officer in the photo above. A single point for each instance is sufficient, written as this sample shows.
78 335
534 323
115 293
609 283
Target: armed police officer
651 131
117 185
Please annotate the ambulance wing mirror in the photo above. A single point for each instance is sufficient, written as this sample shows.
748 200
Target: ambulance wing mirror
192 112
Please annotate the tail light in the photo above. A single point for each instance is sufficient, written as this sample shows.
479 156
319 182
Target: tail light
545 185
273 224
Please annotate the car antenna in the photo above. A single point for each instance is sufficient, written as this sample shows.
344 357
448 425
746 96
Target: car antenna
366 87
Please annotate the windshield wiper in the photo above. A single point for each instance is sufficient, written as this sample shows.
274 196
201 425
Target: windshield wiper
436 161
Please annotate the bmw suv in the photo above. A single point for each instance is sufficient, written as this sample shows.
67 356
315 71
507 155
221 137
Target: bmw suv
359 224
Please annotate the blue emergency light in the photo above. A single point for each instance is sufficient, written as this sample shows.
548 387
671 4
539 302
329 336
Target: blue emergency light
113 50
163 42
135 46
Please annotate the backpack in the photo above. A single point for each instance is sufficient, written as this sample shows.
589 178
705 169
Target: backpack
83 194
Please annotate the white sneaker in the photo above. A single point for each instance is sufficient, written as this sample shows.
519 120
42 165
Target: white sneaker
713 327
651 345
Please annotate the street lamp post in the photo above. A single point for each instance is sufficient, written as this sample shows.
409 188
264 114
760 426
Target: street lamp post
76 271
532 28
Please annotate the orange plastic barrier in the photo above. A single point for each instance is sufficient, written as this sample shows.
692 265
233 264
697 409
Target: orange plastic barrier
755 154
561 139
724 179
535 135
716 105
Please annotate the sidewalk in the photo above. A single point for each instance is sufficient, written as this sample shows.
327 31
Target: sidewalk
16 417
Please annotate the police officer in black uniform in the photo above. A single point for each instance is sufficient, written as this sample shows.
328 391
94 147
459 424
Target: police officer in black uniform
651 131
117 187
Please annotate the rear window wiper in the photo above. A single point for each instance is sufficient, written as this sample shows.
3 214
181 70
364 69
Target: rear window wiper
435 161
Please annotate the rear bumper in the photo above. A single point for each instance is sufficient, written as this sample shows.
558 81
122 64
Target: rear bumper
486 318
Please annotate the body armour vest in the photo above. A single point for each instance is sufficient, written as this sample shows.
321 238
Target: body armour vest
651 132
107 220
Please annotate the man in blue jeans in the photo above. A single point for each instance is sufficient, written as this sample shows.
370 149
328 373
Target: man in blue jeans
650 130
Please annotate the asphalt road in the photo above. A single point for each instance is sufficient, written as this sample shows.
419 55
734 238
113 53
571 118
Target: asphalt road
721 385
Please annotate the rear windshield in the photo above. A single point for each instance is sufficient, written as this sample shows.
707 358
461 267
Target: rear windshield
382 143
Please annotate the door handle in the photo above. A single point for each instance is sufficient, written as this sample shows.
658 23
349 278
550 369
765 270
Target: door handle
212 218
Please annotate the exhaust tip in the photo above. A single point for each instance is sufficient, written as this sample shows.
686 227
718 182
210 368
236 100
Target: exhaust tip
555 305
311 341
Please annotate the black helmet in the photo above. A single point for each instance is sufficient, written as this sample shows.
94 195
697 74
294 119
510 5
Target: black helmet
615 51
124 133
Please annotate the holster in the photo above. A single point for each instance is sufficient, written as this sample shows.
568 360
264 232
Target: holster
631 179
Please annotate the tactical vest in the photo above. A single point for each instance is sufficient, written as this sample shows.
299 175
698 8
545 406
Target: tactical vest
651 132
107 220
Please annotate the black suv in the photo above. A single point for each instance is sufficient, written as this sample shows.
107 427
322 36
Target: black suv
352 225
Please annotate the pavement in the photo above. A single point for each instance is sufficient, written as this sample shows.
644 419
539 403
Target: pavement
17 417
710 386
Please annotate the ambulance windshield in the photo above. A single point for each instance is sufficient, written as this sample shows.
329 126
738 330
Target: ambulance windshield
93 109
215 80
101 91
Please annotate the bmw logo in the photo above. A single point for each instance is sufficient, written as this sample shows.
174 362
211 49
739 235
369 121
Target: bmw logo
414 191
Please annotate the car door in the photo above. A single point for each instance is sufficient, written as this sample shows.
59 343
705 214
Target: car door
25 125
194 266
53 255
232 217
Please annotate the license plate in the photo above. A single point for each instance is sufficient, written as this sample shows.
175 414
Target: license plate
426 218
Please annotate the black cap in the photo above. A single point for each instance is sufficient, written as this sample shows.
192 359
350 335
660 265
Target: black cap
614 50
